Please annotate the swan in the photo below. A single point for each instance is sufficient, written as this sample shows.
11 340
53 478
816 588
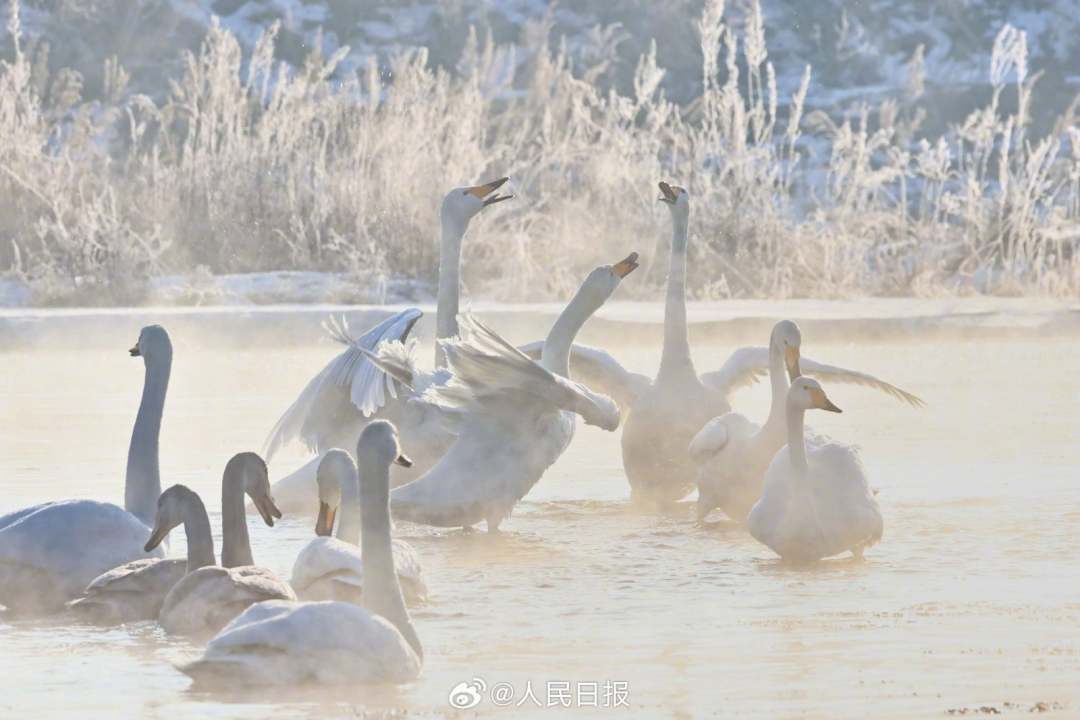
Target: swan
333 407
665 412
50 552
734 452
816 501
136 590
513 416
204 600
331 568
330 643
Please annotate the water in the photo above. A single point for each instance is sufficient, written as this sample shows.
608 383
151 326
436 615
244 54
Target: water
971 600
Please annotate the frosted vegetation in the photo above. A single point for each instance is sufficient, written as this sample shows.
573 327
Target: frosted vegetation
246 164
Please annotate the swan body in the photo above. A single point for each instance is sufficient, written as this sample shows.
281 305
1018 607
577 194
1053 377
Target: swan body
816 502
329 643
204 600
513 416
332 568
50 552
350 391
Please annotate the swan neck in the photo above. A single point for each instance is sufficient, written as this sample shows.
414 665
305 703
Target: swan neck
350 519
796 438
778 381
676 354
142 482
382 594
235 544
446 313
200 540
555 355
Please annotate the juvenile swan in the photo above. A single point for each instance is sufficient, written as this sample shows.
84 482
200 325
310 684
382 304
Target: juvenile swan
206 599
330 643
50 552
334 406
514 417
332 568
734 452
816 502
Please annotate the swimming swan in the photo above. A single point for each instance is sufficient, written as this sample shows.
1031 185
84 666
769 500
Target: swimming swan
665 412
514 417
50 552
333 407
816 501
203 601
332 568
330 643
734 452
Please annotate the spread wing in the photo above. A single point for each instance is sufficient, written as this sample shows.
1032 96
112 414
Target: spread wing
349 385
598 369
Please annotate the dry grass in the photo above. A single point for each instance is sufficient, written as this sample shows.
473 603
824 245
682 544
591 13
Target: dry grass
252 166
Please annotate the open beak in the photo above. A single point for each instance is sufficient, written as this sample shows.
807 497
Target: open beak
403 460
668 195
484 192
626 266
791 359
266 507
135 351
156 537
324 525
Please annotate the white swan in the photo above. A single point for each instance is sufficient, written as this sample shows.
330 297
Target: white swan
334 406
734 452
50 552
203 601
136 590
331 643
514 417
332 568
816 502
665 413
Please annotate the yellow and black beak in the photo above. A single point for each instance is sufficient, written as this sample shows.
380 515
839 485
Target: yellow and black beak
626 266
668 193
791 359
135 350
485 192
324 525
403 460
266 507
156 536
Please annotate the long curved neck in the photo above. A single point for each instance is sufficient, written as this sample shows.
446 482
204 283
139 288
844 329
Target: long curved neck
142 483
796 438
774 425
382 594
200 541
446 324
555 355
676 355
350 520
235 544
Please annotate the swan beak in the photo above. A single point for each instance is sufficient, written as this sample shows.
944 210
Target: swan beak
403 460
135 351
791 358
482 192
668 195
266 507
158 534
325 523
626 266
822 402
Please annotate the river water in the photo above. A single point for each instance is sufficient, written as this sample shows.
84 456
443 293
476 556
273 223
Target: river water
972 600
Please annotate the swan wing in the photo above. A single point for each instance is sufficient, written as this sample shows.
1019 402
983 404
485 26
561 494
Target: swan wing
326 557
598 369
834 374
349 384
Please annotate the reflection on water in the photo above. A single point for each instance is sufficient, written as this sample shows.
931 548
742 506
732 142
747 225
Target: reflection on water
972 599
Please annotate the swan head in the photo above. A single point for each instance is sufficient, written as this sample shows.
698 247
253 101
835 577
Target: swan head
786 338
378 448
172 508
153 343
676 198
336 472
462 203
251 469
807 394
603 281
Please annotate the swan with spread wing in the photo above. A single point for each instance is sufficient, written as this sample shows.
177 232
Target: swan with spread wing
350 391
